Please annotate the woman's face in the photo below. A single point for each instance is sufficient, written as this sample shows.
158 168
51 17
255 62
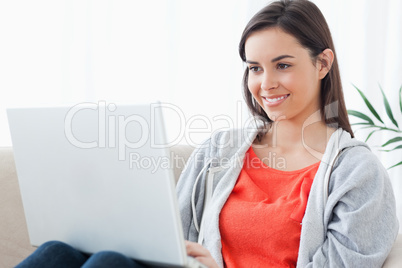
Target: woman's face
282 76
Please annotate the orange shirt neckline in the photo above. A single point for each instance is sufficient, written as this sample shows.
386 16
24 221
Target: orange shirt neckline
252 155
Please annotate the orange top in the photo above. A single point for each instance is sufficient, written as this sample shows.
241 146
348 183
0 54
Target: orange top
260 223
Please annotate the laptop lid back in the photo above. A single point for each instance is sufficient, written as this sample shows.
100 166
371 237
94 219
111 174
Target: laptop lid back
98 177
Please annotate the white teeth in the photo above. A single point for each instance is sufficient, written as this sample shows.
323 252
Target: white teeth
276 99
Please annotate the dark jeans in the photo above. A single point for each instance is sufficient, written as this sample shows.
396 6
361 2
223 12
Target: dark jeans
58 254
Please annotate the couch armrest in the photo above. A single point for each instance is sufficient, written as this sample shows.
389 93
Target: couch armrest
394 259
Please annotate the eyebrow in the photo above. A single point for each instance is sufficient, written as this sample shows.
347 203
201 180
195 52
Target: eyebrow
281 57
273 60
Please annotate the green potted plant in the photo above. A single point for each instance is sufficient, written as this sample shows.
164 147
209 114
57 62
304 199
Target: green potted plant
378 125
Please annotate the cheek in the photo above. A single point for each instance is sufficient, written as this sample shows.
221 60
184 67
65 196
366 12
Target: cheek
298 83
307 76
253 86
290 80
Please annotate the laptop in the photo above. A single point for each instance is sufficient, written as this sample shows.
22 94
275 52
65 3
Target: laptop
98 176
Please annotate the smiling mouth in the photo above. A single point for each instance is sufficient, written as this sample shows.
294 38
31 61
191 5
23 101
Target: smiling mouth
275 100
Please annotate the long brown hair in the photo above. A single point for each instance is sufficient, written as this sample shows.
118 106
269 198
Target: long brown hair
303 20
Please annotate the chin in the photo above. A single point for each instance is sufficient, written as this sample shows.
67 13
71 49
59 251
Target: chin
275 117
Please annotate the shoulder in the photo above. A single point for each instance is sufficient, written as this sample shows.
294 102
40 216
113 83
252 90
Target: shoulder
359 158
352 156
357 166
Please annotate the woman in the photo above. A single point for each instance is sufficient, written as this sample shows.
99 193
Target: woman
258 215
298 190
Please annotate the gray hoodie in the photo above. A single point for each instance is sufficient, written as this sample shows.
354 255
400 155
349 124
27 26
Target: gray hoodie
350 218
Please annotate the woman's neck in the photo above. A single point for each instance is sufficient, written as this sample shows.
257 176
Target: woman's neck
288 136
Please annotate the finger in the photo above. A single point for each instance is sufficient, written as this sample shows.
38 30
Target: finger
195 250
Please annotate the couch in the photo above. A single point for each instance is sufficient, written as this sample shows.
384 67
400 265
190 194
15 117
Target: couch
14 241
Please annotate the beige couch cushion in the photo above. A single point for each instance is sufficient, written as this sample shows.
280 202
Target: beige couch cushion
14 241
179 157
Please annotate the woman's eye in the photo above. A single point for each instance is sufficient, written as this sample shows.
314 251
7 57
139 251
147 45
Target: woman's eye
283 66
254 69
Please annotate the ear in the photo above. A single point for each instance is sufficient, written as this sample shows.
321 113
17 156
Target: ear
325 60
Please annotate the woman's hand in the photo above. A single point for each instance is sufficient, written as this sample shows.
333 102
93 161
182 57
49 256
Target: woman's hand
201 254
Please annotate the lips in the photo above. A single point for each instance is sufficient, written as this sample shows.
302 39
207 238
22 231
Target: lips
275 99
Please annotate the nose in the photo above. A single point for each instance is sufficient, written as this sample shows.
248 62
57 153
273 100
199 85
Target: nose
269 81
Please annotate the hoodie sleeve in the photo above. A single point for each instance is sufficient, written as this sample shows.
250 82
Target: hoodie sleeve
360 215
184 189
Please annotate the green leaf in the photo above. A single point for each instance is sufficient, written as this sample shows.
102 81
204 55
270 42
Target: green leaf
390 129
400 98
396 139
361 116
371 108
371 133
368 127
400 163
396 148
362 124
388 109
